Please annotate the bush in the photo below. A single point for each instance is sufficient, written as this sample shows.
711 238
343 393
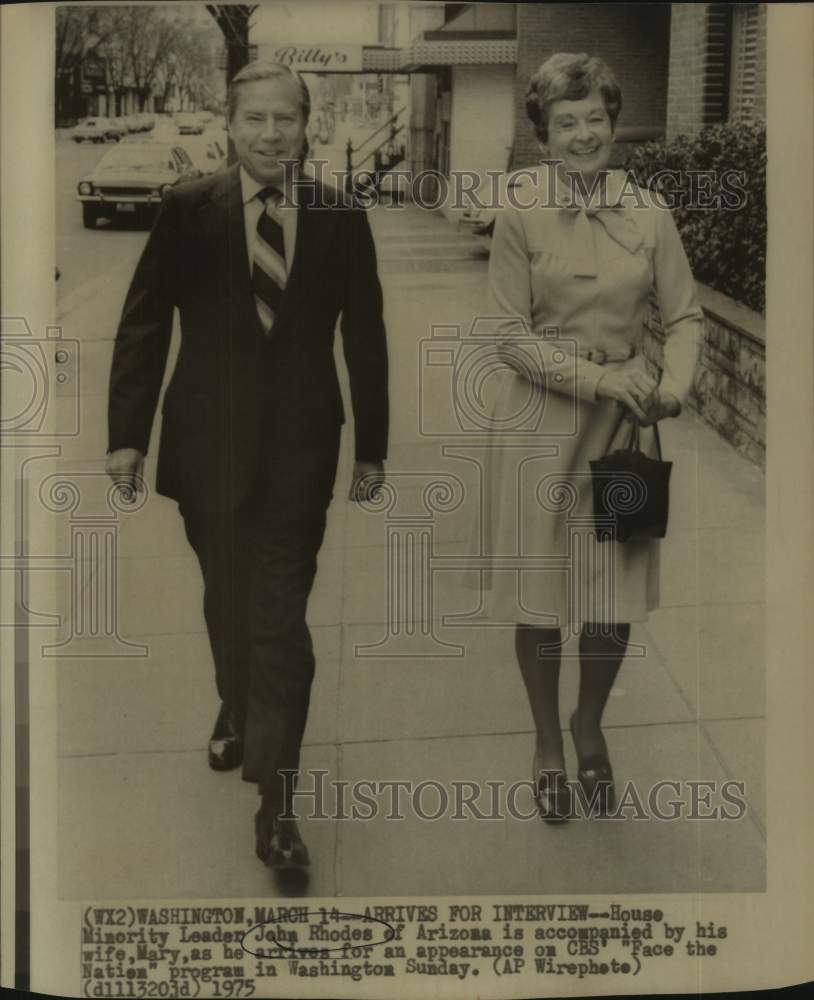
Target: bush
726 246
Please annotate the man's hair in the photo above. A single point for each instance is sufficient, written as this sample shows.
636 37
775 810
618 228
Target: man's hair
260 70
568 77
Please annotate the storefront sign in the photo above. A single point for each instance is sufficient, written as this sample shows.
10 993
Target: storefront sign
309 58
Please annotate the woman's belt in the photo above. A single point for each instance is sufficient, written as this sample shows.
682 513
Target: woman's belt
600 357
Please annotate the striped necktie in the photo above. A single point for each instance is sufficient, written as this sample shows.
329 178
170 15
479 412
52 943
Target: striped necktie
268 266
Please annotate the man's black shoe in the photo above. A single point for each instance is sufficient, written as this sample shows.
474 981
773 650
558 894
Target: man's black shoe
278 843
226 742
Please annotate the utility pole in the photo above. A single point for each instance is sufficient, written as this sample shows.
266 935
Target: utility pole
234 23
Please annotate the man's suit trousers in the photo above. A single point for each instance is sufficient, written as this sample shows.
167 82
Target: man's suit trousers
258 564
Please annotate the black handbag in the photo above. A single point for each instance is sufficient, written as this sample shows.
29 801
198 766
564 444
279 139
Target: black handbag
631 492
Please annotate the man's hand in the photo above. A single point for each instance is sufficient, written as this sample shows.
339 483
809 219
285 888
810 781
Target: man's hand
367 478
125 466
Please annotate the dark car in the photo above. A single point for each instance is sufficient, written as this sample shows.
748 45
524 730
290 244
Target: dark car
131 179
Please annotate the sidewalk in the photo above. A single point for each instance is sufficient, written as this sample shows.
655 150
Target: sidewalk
133 731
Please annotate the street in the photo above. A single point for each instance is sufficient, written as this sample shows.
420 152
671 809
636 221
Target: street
392 699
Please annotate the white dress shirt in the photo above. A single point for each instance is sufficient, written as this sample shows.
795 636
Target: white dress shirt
286 212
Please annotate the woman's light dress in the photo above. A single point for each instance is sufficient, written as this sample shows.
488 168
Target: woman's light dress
563 282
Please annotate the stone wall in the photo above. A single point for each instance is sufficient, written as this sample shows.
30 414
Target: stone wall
729 390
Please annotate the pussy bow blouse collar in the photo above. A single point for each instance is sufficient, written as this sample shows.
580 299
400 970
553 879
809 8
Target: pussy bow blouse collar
608 209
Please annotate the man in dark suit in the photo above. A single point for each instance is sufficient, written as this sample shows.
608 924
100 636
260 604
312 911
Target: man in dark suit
260 261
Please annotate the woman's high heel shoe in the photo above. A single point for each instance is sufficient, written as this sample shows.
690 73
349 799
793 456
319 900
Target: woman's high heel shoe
553 795
595 775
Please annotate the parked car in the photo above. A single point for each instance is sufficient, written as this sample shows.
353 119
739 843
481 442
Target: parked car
130 180
188 123
93 130
145 122
132 123
206 152
120 126
115 129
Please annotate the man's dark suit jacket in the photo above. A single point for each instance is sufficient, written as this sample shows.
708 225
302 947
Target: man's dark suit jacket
235 394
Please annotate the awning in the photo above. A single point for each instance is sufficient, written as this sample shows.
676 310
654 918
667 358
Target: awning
459 52
381 60
426 55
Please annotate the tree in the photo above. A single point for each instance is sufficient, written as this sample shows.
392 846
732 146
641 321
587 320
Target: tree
146 38
145 48
193 65
79 30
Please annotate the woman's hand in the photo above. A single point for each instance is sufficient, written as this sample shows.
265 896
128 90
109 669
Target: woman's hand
633 388
660 405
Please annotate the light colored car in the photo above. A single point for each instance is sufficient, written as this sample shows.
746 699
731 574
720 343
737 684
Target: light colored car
114 130
120 125
131 179
92 130
207 152
188 123
145 121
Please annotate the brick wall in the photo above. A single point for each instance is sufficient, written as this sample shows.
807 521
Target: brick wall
632 38
760 106
701 82
729 390
685 93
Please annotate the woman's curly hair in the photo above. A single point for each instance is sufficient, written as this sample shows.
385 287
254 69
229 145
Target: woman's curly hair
569 77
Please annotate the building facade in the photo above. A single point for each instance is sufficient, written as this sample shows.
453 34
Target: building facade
717 69
680 67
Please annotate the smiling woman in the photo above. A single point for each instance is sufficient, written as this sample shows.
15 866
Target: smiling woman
572 78
570 280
